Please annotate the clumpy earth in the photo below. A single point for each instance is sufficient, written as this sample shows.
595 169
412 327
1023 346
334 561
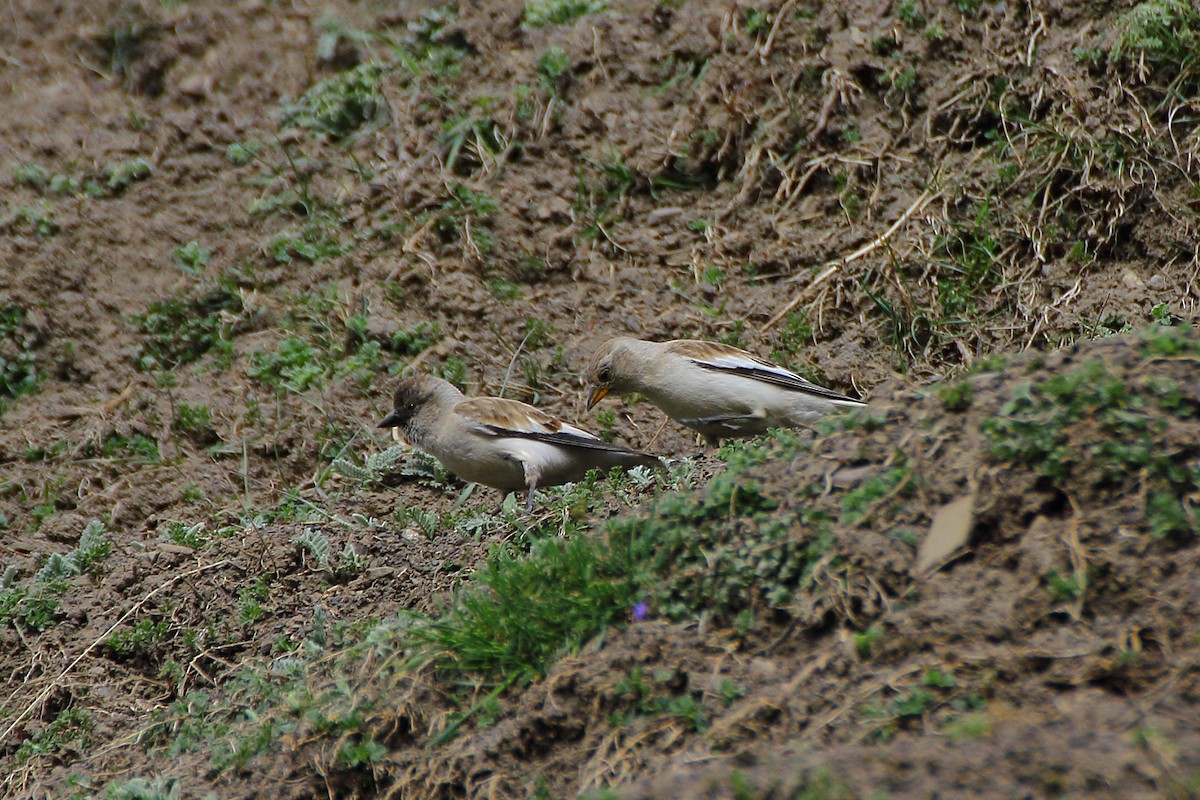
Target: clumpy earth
226 227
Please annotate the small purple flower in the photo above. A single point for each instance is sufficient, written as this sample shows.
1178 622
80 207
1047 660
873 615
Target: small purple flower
641 610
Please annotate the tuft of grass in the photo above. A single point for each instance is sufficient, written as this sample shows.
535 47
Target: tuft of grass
1160 39
906 10
192 419
969 254
968 727
524 611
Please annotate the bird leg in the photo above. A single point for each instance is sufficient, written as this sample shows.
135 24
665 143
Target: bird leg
531 480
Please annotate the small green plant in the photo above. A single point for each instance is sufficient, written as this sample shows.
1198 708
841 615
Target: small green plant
143 640
347 563
160 787
955 397
32 175
502 289
794 336
185 535
863 498
730 692
191 493
293 365
184 329
355 753
19 374
606 419
39 219
316 240
756 20
34 608
1064 588
191 257
523 611
63 185
71 727
968 727
135 446
120 176
316 544
250 601
415 340
1088 423
195 419
970 255
339 106
540 13
903 79
242 153
466 206
93 548
552 65
865 641
1168 518
376 468
906 10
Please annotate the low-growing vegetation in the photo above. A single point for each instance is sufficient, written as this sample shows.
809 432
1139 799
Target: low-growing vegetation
217 574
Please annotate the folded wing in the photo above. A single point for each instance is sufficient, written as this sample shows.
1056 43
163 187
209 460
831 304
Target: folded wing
512 418
734 361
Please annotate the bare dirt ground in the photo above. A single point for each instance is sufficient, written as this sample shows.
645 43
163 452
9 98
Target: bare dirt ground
226 227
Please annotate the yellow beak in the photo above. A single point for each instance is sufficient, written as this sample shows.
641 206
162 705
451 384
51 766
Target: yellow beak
597 394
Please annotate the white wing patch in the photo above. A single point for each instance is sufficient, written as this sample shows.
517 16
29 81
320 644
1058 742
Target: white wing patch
580 432
735 362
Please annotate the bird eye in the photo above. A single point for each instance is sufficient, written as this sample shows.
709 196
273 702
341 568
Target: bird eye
605 375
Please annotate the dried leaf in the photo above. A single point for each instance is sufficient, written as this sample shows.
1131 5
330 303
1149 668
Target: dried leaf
948 532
